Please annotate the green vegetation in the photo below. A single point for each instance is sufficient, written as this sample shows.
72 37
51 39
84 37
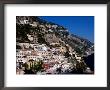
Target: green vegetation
78 50
41 38
18 47
80 66
34 66
22 31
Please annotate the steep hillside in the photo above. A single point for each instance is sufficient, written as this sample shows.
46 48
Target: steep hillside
48 32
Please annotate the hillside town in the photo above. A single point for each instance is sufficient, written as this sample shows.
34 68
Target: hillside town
42 51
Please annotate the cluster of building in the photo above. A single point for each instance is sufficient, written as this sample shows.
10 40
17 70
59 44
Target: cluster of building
52 58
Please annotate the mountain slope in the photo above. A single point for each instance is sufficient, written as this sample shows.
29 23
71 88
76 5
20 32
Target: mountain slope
48 32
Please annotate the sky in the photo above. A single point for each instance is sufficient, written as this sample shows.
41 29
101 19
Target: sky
82 26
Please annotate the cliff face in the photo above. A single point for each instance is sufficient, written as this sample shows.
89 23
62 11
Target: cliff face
46 32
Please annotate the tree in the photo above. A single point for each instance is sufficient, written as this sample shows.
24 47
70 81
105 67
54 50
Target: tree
78 50
38 66
18 47
80 66
41 38
32 67
67 54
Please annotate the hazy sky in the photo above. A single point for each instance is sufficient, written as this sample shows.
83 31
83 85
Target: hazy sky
79 25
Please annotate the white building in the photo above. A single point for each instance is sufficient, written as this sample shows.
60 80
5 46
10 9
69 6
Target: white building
34 24
34 57
24 21
26 45
40 47
30 37
22 55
